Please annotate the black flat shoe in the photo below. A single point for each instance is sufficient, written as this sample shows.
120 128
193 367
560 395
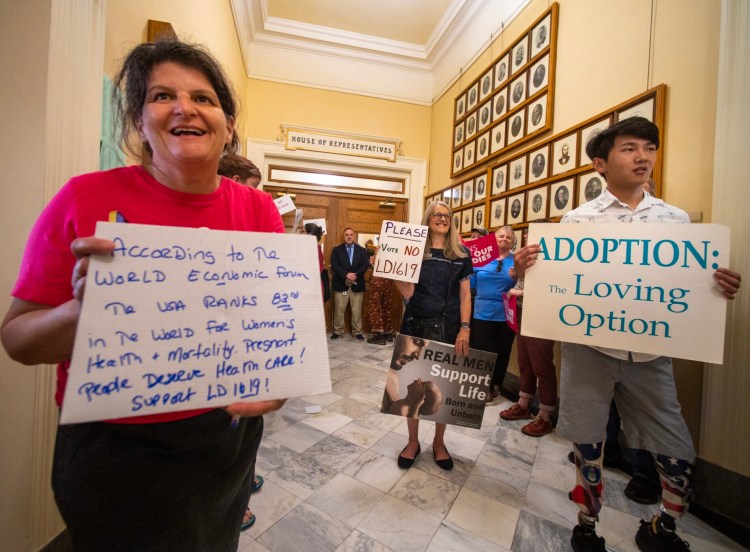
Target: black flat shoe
405 463
446 464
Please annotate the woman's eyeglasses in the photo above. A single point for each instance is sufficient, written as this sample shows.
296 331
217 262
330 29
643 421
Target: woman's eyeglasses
438 216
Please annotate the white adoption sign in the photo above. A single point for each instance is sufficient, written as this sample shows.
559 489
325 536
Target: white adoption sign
645 288
401 250
184 318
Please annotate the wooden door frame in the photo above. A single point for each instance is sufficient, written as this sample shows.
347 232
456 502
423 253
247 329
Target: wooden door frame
414 171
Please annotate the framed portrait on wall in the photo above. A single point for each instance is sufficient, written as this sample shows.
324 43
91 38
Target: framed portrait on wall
517 173
485 115
458 134
479 217
486 85
565 154
469 154
460 106
517 91
537 204
520 236
516 125
502 70
497 213
539 165
483 146
497 137
643 109
458 160
499 179
456 196
537 114
515 208
590 186
561 197
447 196
468 192
472 97
539 75
457 222
500 104
587 134
471 125
540 35
466 220
519 54
480 187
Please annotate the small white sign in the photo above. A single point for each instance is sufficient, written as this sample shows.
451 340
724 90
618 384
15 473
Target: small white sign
284 204
401 251
184 318
645 288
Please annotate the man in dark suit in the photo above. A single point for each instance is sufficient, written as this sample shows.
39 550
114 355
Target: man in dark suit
349 262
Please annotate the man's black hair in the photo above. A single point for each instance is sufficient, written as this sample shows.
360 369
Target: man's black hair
602 143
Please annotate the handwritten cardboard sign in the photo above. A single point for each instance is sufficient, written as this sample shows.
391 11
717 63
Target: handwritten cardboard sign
284 204
645 288
483 250
183 318
401 250
427 380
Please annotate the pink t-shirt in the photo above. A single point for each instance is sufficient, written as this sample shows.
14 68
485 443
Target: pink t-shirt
47 265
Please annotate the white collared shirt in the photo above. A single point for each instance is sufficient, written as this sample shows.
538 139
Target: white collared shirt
607 208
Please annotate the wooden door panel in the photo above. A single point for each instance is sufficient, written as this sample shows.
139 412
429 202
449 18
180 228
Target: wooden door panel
363 214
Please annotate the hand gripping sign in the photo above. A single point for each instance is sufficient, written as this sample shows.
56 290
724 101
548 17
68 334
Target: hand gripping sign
185 318
645 288
401 250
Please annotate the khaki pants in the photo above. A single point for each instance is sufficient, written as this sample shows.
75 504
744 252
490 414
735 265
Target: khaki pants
340 300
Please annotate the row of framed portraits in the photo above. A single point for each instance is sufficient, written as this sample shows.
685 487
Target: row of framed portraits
525 86
531 118
547 179
543 202
493 112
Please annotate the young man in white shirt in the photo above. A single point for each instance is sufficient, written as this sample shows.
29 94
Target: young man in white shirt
642 385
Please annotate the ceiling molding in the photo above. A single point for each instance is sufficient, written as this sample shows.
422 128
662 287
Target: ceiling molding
322 57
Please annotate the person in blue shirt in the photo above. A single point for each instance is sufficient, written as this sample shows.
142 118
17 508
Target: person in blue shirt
489 331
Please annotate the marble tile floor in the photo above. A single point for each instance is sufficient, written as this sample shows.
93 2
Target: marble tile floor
332 483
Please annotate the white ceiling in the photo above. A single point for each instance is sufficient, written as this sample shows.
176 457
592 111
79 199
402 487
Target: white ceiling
405 50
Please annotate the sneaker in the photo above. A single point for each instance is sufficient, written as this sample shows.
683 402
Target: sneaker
538 427
515 412
335 336
585 539
652 537
643 491
376 339
493 394
359 337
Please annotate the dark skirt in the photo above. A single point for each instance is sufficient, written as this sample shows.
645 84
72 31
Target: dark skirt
180 485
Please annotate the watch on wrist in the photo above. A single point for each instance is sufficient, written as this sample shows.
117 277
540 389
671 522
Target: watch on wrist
465 326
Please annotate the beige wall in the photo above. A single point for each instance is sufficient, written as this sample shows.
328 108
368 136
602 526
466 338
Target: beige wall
269 104
22 196
601 65
208 23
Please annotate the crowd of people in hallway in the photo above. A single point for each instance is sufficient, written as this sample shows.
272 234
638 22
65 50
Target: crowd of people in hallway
142 483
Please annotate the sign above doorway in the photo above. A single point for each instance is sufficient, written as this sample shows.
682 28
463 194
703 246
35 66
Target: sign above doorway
331 141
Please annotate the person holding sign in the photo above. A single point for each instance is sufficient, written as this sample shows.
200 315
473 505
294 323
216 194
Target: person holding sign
439 307
489 331
642 385
174 481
